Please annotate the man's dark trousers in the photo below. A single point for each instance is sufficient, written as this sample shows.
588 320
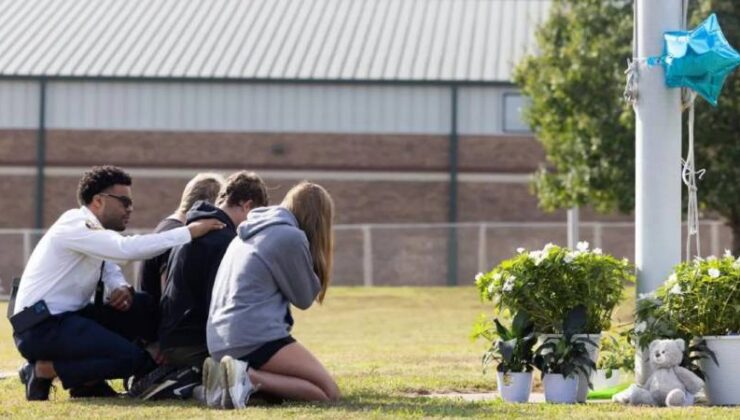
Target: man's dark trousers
94 343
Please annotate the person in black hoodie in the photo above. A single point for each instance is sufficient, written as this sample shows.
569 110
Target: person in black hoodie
193 266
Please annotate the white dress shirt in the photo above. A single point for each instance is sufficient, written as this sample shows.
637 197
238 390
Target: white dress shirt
64 268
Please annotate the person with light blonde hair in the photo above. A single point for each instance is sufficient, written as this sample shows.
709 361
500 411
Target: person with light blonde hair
282 256
204 186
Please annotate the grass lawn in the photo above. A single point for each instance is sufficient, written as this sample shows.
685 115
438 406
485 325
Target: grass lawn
386 346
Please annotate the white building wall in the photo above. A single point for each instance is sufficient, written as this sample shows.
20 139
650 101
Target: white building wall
231 107
19 104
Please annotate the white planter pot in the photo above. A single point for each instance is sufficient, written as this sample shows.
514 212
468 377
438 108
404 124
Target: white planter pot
600 381
593 352
560 390
723 381
514 386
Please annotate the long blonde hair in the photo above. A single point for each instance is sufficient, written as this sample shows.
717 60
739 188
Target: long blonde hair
203 186
313 207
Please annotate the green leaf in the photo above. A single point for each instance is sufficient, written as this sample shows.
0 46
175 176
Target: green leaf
501 330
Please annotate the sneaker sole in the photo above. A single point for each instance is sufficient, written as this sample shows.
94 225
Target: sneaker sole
212 381
227 372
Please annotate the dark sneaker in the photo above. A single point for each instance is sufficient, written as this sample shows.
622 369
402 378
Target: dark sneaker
138 385
98 390
37 389
177 385
24 372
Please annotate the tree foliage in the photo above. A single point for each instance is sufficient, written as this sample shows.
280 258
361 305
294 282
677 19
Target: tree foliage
575 83
717 131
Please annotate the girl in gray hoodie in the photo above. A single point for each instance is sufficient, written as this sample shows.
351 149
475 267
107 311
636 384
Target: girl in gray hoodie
282 255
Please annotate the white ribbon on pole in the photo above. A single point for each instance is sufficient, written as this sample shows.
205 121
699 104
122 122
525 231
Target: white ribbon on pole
689 175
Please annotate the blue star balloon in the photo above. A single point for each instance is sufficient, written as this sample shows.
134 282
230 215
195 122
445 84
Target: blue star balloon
700 59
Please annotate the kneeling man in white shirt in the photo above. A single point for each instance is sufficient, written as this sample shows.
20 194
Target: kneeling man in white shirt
58 328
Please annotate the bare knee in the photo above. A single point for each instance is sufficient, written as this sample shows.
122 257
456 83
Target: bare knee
332 391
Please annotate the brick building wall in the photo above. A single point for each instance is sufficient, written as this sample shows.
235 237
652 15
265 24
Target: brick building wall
410 256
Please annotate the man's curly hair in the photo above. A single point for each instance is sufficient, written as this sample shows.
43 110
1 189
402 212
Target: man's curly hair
98 179
242 186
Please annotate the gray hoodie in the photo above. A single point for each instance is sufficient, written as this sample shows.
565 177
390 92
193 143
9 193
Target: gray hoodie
267 267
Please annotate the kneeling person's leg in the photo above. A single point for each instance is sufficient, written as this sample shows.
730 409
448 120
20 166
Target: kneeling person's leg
86 352
139 322
293 372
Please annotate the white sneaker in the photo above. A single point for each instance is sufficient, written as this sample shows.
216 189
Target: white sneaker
236 384
212 382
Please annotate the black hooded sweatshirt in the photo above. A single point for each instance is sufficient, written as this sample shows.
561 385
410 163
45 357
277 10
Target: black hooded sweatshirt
192 269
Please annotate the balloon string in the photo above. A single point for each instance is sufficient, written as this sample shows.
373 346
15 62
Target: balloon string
630 94
689 176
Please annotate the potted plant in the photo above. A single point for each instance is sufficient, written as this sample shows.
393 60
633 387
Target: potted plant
701 299
616 354
545 283
563 361
512 351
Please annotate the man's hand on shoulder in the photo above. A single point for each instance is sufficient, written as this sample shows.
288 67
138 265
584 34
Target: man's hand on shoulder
122 298
201 227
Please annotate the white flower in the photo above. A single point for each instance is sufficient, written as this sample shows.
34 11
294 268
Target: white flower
497 277
537 257
625 261
509 284
490 289
548 247
736 264
711 258
675 290
597 251
520 250
728 253
582 246
672 278
714 273
641 327
569 257
479 277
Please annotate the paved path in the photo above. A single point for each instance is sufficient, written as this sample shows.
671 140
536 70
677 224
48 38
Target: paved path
535 397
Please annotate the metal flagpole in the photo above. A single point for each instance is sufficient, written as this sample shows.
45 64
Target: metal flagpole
658 150
658 153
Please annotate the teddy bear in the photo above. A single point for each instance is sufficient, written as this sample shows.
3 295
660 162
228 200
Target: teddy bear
668 384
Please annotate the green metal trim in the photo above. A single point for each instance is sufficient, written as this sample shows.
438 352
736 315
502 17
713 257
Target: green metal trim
394 82
40 157
452 257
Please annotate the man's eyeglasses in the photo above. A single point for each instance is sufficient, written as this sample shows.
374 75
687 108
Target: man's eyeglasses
125 201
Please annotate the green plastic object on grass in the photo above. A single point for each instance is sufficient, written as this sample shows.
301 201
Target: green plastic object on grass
606 394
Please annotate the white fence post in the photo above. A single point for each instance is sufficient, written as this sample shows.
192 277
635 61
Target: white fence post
598 234
714 235
367 256
26 246
573 227
482 249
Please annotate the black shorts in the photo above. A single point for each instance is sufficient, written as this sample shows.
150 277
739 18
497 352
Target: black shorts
265 352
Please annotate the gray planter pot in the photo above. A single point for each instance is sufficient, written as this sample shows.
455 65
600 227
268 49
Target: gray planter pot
560 390
514 386
723 381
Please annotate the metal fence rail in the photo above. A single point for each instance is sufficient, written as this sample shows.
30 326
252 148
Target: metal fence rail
415 254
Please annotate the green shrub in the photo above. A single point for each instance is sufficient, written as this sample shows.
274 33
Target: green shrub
700 298
547 283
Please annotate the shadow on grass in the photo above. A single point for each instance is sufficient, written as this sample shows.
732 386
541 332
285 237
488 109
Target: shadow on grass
367 403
